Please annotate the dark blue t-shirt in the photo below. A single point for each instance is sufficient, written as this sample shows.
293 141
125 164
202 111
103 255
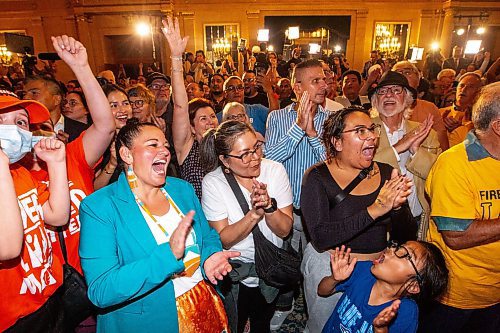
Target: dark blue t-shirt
353 314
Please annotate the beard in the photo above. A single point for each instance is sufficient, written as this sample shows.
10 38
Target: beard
161 107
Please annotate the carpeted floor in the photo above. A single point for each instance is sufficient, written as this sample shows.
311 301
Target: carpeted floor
296 321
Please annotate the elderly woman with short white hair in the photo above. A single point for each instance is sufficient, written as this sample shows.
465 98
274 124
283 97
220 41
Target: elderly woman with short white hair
236 111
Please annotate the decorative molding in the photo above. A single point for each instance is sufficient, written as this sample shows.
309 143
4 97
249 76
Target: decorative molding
362 13
253 14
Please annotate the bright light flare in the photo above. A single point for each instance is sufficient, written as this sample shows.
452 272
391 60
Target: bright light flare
143 29
435 46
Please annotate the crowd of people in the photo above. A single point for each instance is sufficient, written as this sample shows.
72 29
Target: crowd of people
152 189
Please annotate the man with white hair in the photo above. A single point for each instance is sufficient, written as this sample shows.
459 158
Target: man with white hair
408 146
422 109
464 188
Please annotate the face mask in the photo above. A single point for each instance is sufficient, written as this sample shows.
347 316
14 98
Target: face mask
15 142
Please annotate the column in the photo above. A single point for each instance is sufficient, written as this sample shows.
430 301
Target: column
446 33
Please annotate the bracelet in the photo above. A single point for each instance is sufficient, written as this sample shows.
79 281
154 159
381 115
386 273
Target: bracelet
175 58
177 70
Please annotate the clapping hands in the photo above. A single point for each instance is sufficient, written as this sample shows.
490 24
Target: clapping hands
259 197
392 195
413 139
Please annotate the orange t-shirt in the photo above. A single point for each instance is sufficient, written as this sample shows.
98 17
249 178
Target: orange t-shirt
80 181
30 279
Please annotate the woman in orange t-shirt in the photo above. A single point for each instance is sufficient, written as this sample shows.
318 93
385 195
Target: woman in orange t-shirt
32 276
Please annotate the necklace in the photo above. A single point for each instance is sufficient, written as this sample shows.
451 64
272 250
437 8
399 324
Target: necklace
146 210
373 172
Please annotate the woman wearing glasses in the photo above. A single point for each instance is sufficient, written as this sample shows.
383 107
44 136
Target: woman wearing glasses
233 149
236 111
360 218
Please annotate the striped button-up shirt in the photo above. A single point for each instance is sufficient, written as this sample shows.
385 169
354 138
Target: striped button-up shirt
288 144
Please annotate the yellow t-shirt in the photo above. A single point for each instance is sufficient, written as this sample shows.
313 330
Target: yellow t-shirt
460 133
464 185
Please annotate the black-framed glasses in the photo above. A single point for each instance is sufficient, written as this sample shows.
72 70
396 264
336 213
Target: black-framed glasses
156 86
396 90
234 88
402 252
248 79
137 104
247 157
73 102
238 117
364 132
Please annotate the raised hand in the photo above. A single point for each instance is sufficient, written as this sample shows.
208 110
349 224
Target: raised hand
178 239
341 264
266 82
217 265
384 318
71 51
50 150
172 33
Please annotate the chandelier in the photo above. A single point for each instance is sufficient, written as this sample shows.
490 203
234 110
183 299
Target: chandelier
5 56
221 47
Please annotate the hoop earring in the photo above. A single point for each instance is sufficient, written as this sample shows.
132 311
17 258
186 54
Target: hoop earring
132 178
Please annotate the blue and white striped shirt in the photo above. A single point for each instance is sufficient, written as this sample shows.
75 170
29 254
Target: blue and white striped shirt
288 144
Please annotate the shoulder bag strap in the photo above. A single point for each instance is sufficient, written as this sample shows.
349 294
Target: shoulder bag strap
63 244
239 196
237 192
343 193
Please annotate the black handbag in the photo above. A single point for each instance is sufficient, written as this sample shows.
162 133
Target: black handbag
278 267
77 306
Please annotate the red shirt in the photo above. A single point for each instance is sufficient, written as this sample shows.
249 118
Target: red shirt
30 279
80 181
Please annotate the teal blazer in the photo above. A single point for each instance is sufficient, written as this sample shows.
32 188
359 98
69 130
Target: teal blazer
128 274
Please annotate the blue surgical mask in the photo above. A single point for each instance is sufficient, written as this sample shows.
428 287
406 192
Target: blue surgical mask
15 142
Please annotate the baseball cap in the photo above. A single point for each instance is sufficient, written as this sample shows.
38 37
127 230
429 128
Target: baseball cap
37 112
157 76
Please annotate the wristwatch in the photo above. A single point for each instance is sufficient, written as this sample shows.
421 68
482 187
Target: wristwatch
273 208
